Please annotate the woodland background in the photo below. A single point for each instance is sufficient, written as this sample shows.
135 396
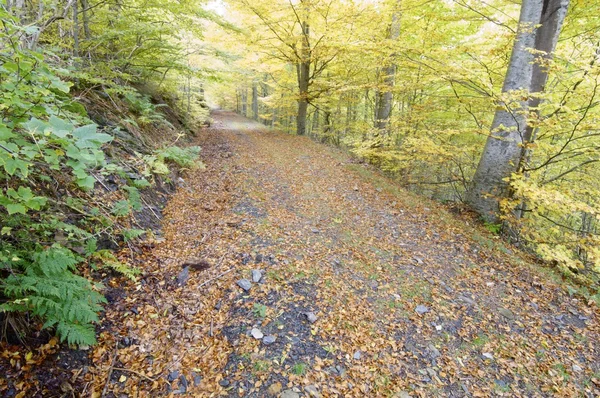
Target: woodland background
413 86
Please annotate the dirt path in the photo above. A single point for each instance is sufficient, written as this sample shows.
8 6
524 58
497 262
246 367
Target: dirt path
408 300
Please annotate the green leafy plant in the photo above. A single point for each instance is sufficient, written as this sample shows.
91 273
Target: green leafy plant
146 112
130 234
261 366
107 259
183 157
44 284
50 159
259 310
299 368
493 227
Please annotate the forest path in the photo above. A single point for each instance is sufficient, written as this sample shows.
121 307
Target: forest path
366 290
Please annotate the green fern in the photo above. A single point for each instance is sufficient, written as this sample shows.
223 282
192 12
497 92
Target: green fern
183 157
47 288
130 234
109 260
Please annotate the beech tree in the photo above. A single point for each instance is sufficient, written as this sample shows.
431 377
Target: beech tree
388 72
308 36
540 23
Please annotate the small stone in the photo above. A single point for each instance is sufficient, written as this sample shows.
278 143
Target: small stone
435 353
355 188
506 313
419 260
402 394
256 333
173 375
244 284
183 384
256 275
259 258
312 318
289 394
312 391
274 389
197 379
487 355
270 339
466 300
314 230
224 383
421 309
183 276
438 327
357 355
465 389
577 368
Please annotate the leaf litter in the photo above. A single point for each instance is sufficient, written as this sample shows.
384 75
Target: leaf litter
363 291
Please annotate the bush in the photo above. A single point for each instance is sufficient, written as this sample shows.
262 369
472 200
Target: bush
51 157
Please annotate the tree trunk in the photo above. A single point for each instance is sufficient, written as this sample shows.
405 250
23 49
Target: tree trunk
384 95
255 100
553 16
75 8
315 123
504 147
349 105
86 19
303 72
366 111
244 102
265 93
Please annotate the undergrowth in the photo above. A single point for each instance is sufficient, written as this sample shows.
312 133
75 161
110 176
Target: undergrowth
52 165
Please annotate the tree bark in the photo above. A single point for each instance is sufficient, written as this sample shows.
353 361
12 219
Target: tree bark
303 72
315 123
75 7
385 96
86 19
265 93
504 147
255 100
244 102
553 16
